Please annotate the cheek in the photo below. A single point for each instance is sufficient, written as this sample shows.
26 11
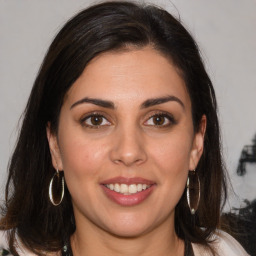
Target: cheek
82 163
173 154
173 171
170 160
80 156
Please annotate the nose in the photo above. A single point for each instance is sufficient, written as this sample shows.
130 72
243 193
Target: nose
128 147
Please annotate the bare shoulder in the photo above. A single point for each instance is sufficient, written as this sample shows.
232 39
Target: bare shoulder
224 245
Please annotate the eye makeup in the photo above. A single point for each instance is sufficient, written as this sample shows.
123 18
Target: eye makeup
160 119
94 120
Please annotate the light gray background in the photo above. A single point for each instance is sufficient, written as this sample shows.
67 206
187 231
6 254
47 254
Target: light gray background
224 29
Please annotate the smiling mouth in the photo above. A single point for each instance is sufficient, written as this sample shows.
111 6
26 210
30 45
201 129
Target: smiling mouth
127 189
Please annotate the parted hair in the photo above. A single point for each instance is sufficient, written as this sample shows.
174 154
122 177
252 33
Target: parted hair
109 26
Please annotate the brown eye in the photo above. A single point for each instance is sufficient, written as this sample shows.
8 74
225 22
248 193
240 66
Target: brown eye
161 120
158 120
95 121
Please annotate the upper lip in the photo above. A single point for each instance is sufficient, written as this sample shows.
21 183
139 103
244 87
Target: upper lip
128 181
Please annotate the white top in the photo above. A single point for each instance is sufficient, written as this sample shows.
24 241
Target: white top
225 245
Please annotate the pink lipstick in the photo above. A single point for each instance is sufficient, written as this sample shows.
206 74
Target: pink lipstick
128 191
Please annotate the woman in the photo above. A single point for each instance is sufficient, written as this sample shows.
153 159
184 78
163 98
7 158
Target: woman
119 152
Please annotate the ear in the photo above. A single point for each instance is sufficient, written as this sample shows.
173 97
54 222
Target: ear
54 148
198 144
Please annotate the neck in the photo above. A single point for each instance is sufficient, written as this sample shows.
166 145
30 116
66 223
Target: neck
91 240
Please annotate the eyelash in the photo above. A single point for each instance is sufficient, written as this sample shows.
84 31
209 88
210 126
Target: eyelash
168 116
91 126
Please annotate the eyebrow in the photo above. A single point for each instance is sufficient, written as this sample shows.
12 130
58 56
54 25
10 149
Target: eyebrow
146 104
161 100
98 102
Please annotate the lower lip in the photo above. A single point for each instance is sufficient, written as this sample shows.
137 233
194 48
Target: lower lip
128 200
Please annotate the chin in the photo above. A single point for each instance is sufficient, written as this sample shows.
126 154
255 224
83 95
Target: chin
130 227
128 232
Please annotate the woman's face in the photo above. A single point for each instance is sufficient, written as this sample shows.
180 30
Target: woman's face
126 142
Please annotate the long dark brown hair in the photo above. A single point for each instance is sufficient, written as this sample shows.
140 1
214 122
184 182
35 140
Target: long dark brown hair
108 26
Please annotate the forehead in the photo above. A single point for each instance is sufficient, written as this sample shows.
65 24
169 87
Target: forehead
129 76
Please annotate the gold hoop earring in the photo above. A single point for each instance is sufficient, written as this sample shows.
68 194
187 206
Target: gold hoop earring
193 191
56 188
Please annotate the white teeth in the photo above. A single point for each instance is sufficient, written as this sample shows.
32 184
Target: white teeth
133 189
139 187
124 188
117 187
127 189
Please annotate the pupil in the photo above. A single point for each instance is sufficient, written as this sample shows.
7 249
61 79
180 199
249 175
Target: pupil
96 120
159 120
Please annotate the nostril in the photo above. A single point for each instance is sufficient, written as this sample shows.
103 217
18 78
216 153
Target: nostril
128 149
129 162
